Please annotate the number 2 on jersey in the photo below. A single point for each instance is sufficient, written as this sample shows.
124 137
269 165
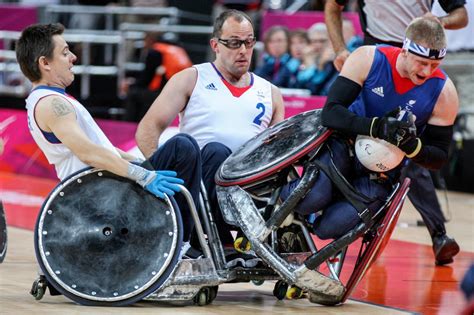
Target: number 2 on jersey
258 120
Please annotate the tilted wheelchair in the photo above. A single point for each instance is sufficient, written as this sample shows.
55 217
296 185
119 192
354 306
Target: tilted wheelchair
102 240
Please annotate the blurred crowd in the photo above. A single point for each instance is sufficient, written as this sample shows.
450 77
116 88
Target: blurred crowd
298 59
302 59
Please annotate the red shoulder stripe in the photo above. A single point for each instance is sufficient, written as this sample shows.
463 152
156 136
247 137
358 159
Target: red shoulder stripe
403 85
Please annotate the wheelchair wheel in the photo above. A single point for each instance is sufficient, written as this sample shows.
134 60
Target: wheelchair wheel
205 295
101 239
38 289
3 234
294 293
280 289
273 149
379 238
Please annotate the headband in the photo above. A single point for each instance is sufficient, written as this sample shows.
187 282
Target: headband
424 52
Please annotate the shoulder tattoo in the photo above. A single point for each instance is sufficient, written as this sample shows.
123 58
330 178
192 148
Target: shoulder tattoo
60 107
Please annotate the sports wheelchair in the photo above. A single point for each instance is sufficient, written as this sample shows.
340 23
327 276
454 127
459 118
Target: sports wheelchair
102 240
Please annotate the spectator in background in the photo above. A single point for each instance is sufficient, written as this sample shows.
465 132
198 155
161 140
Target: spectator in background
383 22
276 42
299 42
311 66
163 59
352 40
317 61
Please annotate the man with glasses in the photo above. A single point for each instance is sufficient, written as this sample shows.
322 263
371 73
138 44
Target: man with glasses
221 104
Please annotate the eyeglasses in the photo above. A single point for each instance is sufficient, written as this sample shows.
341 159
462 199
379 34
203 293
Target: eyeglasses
235 43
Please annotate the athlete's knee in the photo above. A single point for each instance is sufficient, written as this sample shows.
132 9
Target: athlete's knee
336 220
215 151
185 147
185 141
315 200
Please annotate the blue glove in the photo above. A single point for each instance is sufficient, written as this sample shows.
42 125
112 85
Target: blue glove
158 183
163 182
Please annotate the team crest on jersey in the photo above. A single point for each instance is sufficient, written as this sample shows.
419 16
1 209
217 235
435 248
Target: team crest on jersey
378 91
409 105
211 86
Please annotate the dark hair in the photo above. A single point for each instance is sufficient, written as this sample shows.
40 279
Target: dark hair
36 41
275 29
237 15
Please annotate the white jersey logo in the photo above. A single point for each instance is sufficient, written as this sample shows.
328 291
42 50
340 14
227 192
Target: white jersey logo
378 91
211 86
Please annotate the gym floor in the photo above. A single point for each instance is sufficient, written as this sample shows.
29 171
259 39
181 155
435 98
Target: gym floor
403 280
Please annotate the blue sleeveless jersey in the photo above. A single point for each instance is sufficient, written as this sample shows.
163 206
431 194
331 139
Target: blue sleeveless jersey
384 89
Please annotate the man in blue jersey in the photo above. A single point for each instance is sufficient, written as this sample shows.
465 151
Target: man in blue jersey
383 22
373 83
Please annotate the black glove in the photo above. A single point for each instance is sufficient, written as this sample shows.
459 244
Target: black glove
407 139
392 130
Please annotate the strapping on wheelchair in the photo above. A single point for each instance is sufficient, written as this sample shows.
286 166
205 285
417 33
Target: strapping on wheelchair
262 178
116 244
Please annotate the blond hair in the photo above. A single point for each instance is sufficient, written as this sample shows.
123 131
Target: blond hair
427 32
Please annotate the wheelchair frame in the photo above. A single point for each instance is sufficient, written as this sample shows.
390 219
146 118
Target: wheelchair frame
198 279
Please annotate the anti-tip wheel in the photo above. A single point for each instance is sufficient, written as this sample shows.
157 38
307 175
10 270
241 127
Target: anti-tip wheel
38 288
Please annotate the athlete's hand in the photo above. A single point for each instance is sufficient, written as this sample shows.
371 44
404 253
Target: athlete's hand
164 182
160 183
340 59
407 139
391 129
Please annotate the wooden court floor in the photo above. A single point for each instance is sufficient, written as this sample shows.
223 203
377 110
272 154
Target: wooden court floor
404 280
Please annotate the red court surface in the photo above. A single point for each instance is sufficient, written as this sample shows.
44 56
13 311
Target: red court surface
404 277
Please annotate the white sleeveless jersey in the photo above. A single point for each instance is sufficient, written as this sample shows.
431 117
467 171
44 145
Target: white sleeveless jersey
213 114
58 154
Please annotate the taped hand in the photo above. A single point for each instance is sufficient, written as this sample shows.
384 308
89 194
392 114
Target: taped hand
391 129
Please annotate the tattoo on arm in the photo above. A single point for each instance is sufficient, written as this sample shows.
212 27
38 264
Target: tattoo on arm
60 107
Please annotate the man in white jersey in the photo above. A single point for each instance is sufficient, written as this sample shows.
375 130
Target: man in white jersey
70 138
221 104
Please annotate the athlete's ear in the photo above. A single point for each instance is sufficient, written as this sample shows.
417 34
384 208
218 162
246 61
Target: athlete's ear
214 45
43 63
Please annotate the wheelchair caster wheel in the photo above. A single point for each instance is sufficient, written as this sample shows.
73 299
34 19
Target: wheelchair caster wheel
258 282
280 289
213 293
294 293
315 297
39 288
242 245
205 295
